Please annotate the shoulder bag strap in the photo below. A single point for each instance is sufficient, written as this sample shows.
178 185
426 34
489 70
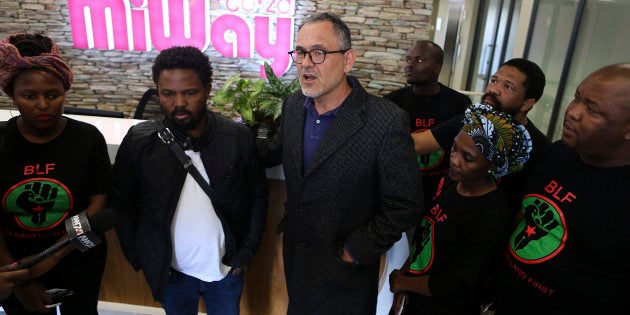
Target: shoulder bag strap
167 137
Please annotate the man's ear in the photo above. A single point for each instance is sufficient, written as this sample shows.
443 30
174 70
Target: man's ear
350 57
436 70
208 89
528 104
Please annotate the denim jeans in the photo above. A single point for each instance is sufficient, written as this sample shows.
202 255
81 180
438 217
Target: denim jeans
181 294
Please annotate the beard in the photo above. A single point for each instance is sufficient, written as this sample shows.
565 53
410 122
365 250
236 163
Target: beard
194 119
497 105
318 88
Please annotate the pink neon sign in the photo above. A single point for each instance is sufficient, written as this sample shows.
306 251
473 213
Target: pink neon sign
240 29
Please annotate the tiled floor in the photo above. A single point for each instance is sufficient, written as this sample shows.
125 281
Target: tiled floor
102 312
106 308
105 312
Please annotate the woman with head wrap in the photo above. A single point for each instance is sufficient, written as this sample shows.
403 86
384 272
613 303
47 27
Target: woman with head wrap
52 167
467 221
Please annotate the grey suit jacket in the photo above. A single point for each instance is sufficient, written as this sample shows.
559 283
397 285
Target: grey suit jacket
361 189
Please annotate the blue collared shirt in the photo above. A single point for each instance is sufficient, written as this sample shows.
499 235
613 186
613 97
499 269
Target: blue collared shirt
315 127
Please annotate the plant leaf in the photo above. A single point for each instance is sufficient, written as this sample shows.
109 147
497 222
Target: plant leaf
271 76
257 100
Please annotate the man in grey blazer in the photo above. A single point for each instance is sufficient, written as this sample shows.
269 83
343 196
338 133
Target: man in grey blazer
352 181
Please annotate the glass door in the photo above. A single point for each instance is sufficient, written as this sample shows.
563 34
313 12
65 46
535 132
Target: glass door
494 40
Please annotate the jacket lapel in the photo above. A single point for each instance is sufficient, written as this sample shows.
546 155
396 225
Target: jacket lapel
294 135
347 122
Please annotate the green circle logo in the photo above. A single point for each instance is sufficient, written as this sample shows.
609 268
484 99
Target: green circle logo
421 257
542 233
38 203
430 161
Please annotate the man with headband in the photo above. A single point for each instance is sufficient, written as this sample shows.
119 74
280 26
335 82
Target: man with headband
52 167
466 222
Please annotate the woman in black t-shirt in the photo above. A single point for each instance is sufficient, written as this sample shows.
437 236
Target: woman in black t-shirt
52 167
466 222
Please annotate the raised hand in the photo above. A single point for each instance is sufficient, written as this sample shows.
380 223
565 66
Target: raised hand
539 221
37 199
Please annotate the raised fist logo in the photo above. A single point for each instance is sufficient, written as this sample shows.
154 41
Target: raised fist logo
539 219
542 233
423 236
421 250
37 199
38 203
431 160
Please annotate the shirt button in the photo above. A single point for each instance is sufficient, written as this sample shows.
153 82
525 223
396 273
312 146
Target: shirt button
317 121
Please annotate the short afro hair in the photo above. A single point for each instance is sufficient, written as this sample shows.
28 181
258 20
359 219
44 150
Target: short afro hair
535 81
183 57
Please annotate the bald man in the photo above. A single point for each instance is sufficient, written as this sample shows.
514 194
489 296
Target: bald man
567 254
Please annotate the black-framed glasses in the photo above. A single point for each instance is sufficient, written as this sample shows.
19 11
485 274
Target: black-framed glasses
317 55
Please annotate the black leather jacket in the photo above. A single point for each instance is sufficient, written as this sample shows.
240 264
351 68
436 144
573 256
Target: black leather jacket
147 181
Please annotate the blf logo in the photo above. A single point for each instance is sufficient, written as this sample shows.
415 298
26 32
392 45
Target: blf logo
240 29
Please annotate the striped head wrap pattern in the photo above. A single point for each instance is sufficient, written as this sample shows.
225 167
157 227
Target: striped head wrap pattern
503 141
12 63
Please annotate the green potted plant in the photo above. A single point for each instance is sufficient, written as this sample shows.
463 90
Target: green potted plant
257 102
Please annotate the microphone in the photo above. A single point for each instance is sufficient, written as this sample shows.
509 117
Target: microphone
82 232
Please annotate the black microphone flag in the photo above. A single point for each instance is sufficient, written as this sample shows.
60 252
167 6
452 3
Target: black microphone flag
83 233
80 232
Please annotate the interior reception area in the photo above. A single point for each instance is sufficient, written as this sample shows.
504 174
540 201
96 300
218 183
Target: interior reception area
111 46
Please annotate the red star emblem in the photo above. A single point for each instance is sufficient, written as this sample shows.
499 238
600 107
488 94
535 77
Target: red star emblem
530 230
39 208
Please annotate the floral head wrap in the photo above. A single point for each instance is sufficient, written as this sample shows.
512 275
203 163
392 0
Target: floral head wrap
504 142
12 63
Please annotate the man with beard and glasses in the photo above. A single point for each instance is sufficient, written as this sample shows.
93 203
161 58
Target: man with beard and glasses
352 182
428 103
513 89
191 233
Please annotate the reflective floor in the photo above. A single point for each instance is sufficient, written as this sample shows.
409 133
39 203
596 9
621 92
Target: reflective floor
107 308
